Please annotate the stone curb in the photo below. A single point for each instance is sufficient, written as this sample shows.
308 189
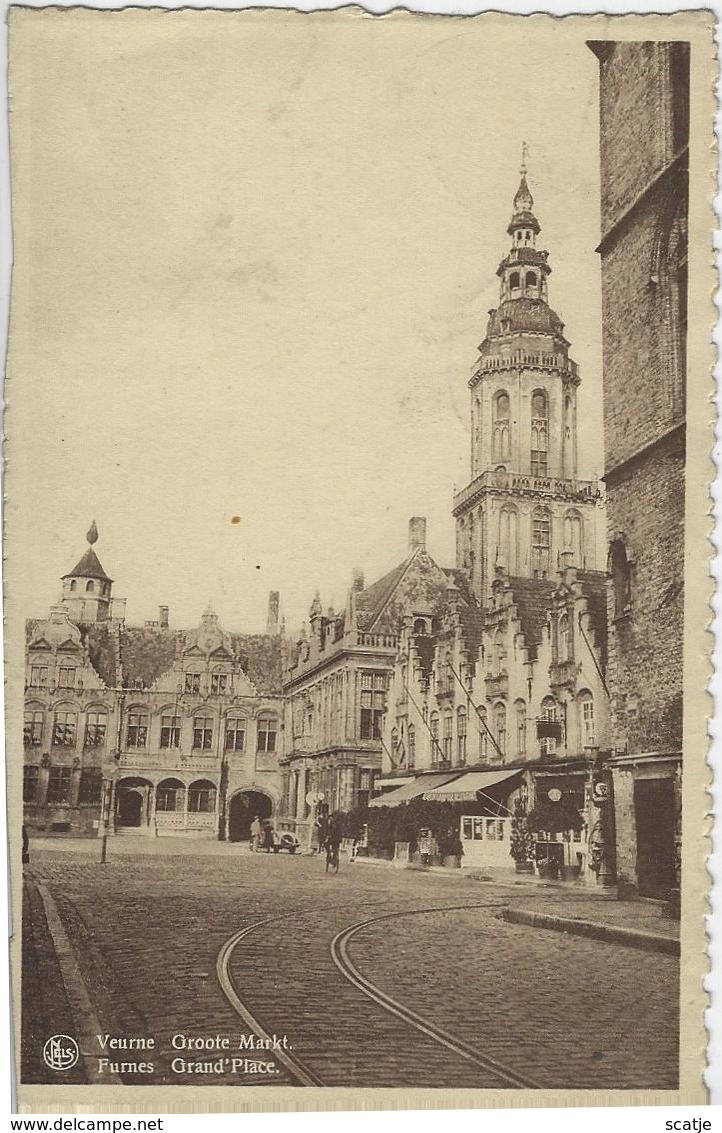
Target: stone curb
81 1005
633 937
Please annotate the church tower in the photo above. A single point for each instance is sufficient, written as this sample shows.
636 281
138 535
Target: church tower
524 505
87 589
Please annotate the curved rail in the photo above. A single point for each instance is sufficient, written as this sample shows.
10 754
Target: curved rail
301 1074
339 952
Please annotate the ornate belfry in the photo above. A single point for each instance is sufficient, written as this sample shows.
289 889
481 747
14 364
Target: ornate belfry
524 505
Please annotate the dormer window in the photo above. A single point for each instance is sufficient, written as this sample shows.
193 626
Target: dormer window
193 683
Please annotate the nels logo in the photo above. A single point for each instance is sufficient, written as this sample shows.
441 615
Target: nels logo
60 1052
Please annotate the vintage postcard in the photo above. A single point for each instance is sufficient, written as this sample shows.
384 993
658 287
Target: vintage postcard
357 540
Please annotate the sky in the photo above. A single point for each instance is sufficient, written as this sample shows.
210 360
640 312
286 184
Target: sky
253 264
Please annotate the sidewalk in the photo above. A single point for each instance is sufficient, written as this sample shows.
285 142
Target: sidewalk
572 907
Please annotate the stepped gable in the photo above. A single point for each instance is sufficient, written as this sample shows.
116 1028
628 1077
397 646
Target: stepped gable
147 652
594 588
425 644
532 598
260 656
472 622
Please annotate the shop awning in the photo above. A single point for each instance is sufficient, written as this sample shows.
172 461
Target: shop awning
421 785
464 790
381 784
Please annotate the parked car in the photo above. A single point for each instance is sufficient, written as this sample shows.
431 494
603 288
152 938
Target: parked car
277 840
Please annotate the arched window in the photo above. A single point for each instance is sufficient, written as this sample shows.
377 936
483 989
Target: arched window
564 650
90 585
618 567
573 537
235 733
420 625
550 728
531 279
461 734
508 539
96 727
500 727
73 584
514 280
539 431
434 730
585 702
202 797
412 745
540 543
501 442
202 733
169 795
448 735
520 714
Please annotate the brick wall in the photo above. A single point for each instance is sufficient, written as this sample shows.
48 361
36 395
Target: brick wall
646 504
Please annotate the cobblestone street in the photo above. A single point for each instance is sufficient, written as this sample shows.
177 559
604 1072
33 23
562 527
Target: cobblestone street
556 1009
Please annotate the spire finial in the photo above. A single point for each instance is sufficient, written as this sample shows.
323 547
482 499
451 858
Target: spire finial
524 156
92 535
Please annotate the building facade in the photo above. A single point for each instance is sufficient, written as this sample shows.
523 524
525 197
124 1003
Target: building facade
644 136
147 729
504 695
336 684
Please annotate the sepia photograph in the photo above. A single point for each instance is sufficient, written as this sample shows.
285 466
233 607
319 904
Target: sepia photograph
357 417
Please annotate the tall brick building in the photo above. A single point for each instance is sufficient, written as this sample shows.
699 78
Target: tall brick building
644 135
152 729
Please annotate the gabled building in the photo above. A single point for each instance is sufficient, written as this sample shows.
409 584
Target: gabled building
337 677
147 729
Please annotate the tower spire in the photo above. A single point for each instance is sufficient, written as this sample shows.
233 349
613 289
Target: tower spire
524 155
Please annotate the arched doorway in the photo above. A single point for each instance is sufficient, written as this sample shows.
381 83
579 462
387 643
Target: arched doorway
245 805
131 803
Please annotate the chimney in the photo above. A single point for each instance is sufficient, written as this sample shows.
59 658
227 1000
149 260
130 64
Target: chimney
358 580
272 620
417 533
163 616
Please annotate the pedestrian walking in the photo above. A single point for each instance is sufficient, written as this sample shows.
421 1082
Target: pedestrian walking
255 834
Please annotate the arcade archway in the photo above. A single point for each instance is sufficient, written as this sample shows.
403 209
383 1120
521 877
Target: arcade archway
245 806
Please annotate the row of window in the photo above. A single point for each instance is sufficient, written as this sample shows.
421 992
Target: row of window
65 730
220 683
495 733
200 798
59 785
103 587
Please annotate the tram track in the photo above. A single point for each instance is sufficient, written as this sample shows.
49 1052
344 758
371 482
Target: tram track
298 1071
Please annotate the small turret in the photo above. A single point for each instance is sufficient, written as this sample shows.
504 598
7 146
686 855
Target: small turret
87 589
